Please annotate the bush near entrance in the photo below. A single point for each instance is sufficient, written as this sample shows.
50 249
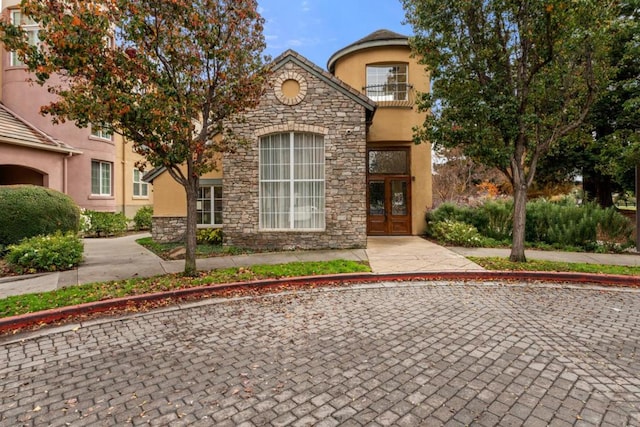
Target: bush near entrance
558 225
28 211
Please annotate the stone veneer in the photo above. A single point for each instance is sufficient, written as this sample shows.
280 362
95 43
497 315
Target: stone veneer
169 229
322 110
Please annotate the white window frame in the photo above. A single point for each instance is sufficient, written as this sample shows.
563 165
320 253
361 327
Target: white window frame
30 27
214 202
296 212
140 188
102 180
377 81
98 132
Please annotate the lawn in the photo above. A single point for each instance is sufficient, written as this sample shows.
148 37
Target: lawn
497 263
164 250
21 304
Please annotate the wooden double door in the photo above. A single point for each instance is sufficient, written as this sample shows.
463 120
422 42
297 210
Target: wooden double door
389 205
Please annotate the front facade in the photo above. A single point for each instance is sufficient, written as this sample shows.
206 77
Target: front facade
330 158
95 168
398 171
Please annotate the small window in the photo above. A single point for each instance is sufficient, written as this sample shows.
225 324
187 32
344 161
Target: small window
100 178
387 82
388 162
30 27
140 188
101 133
209 205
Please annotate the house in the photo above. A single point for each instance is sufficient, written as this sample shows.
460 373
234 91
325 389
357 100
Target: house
95 168
330 159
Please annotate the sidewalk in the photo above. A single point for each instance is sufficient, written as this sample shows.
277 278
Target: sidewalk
122 258
631 260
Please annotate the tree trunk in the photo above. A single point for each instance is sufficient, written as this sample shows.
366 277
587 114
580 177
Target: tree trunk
519 221
598 187
192 225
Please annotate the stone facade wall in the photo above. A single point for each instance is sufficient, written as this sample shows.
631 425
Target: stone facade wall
168 229
322 110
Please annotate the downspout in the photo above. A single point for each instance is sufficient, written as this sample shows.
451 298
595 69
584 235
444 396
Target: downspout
123 175
65 173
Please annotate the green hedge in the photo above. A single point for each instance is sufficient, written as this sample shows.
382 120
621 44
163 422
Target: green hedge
143 218
210 236
56 252
555 224
104 224
27 211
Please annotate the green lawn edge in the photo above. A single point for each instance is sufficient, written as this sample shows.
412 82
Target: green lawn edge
99 291
503 264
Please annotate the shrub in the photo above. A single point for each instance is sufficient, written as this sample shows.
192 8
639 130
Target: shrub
210 236
549 224
455 233
103 224
142 218
46 253
28 211
499 220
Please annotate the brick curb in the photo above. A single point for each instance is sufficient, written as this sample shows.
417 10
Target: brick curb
54 315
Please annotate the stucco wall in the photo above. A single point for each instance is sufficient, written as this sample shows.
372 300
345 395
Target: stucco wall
47 163
323 111
393 125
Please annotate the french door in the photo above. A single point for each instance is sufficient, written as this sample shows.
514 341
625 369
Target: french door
389 205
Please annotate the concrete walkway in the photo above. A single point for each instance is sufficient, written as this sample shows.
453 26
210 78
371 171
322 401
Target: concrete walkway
631 259
122 258
410 254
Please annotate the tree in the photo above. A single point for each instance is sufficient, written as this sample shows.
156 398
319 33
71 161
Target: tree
607 151
170 76
510 78
457 177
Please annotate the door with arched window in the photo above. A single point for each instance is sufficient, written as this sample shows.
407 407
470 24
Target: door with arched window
388 192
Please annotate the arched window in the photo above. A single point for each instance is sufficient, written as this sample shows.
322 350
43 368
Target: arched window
292 186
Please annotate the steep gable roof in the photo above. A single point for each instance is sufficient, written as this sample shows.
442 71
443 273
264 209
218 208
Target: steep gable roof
293 56
17 131
377 38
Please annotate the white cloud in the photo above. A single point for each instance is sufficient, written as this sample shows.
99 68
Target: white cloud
305 6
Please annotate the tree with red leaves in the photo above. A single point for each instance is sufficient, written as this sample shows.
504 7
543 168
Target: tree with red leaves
170 76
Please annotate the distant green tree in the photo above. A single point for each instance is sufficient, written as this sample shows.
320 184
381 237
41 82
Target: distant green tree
510 78
609 147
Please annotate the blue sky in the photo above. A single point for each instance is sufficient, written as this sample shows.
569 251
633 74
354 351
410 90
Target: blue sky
318 28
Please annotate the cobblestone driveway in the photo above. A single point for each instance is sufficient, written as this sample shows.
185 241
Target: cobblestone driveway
431 354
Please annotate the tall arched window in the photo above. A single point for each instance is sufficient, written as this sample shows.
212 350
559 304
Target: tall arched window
292 186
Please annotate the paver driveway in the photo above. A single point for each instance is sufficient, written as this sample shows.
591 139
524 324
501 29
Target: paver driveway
408 354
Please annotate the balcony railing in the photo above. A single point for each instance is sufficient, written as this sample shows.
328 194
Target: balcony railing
391 94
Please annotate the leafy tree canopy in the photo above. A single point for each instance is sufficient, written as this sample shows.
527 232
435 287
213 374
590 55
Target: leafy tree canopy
170 76
509 79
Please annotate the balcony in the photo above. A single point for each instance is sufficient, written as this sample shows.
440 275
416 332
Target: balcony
391 94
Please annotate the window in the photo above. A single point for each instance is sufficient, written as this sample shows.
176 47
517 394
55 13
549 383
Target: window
387 82
30 27
209 205
292 182
140 188
100 178
98 132
389 162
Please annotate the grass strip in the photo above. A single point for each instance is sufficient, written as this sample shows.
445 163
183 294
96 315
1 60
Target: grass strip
72 295
498 263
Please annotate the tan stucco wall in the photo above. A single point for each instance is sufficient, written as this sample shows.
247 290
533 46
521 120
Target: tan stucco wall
169 198
126 160
392 125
